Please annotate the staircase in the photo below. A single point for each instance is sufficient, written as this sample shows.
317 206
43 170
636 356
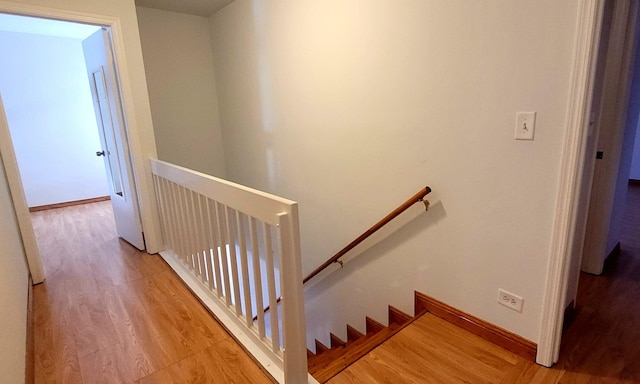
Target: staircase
330 360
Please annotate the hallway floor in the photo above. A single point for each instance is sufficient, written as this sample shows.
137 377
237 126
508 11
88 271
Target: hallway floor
108 313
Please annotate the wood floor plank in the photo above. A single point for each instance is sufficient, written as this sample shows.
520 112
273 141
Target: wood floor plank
108 313
114 365
222 363
450 359
183 304
135 333
55 357
465 343
92 327
374 370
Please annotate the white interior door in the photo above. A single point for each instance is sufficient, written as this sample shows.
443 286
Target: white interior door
115 150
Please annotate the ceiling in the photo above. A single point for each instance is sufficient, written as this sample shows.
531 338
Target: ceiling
194 7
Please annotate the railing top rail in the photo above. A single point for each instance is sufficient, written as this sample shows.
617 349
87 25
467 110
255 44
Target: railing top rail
403 207
261 205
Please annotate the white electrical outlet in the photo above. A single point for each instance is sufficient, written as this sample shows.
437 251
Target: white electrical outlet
525 125
510 300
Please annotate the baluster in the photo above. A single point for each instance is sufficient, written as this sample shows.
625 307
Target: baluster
257 276
233 259
184 233
225 253
248 313
211 244
197 234
175 218
169 222
271 286
217 249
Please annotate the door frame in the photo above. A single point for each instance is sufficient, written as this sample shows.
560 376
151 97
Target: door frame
139 157
576 174
564 232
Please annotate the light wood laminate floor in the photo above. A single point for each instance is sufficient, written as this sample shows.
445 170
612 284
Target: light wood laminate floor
601 346
108 313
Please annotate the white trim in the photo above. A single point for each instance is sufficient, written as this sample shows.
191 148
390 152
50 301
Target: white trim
577 125
141 170
12 172
263 206
58 14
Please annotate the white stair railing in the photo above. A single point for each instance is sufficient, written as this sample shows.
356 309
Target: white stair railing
238 249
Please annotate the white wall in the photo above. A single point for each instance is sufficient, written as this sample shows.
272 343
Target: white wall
13 291
44 83
181 81
350 107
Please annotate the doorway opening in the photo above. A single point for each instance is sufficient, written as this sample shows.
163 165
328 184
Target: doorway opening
603 212
48 82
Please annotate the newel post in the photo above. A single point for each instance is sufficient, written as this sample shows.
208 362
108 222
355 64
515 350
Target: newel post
293 319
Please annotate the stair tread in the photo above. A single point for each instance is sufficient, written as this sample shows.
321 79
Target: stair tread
325 366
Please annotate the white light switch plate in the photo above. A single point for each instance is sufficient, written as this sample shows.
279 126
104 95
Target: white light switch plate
525 125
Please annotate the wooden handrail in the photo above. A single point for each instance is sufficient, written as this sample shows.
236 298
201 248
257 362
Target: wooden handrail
418 197
335 258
